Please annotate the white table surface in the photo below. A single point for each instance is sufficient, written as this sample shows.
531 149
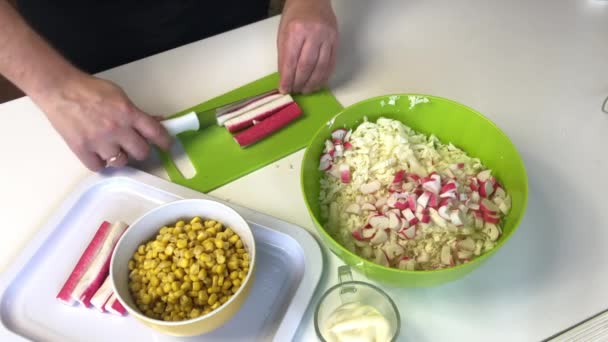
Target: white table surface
538 69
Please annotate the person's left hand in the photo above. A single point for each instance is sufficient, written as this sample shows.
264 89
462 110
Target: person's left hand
307 42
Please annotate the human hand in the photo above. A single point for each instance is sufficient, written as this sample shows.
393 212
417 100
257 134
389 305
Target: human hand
99 123
307 41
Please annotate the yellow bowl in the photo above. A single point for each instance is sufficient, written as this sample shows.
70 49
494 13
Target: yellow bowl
146 228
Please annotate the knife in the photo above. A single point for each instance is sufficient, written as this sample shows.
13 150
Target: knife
194 121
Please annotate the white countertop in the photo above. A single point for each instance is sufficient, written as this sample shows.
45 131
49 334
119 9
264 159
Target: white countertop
537 69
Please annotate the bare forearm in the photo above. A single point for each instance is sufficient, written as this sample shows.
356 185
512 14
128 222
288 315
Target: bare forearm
26 59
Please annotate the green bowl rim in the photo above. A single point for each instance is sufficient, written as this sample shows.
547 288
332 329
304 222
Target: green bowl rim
368 263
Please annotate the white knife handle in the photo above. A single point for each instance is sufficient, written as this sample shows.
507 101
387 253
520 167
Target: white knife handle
180 124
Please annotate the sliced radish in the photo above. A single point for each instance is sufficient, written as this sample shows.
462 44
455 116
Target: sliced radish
401 204
370 187
425 218
329 146
433 201
450 186
408 233
484 175
392 200
344 173
347 145
423 200
433 185
338 150
411 201
408 214
92 267
102 295
489 218
449 194
412 177
399 177
379 222
379 238
444 212
114 307
458 166
488 207
486 189
269 126
357 235
368 207
456 217
368 233
505 206
445 202
437 219
395 211
339 134
446 256
260 113
394 222
325 162
474 184
353 208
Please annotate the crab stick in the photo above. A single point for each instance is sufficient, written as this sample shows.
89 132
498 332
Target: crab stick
268 126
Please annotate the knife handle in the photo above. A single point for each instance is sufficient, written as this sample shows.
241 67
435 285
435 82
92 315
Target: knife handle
182 123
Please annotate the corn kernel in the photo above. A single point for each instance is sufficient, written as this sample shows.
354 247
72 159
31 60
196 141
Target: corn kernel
238 244
169 249
219 243
212 299
183 263
180 224
182 243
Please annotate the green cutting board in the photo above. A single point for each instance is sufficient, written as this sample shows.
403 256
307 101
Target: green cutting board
218 159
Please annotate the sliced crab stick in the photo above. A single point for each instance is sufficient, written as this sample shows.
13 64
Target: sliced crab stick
92 268
114 307
268 126
258 114
222 119
102 295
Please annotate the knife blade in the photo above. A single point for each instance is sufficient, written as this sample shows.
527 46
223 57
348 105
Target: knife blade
194 121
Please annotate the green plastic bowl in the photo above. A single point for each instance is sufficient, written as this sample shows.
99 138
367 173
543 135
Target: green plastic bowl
450 122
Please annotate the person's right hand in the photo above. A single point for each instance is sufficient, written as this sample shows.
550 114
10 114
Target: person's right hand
98 122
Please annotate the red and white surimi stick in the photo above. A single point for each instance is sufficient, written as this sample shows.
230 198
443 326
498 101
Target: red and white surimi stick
248 105
242 103
270 125
102 295
259 114
114 307
92 268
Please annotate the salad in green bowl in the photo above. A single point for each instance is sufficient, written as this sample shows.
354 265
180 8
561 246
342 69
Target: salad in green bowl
413 190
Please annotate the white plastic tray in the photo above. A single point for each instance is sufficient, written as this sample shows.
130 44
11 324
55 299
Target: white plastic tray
289 269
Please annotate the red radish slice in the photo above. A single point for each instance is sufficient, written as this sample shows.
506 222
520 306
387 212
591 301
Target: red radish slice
458 166
425 218
370 187
260 113
445 202
484 175
411 201
474 184
357 235
488 207
114 307
408 233
486 189
268 126
423 200
241 104
412 177
399 176
102 295
347 145
329 146
444 213
344 173
408 214
379 222
339 134
450 186
353 208
489 218
379 238
368 207
368 233
92 267
401 204
477 213
433 201
394 222
339 150
433 185
449 194
456 217
325 162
